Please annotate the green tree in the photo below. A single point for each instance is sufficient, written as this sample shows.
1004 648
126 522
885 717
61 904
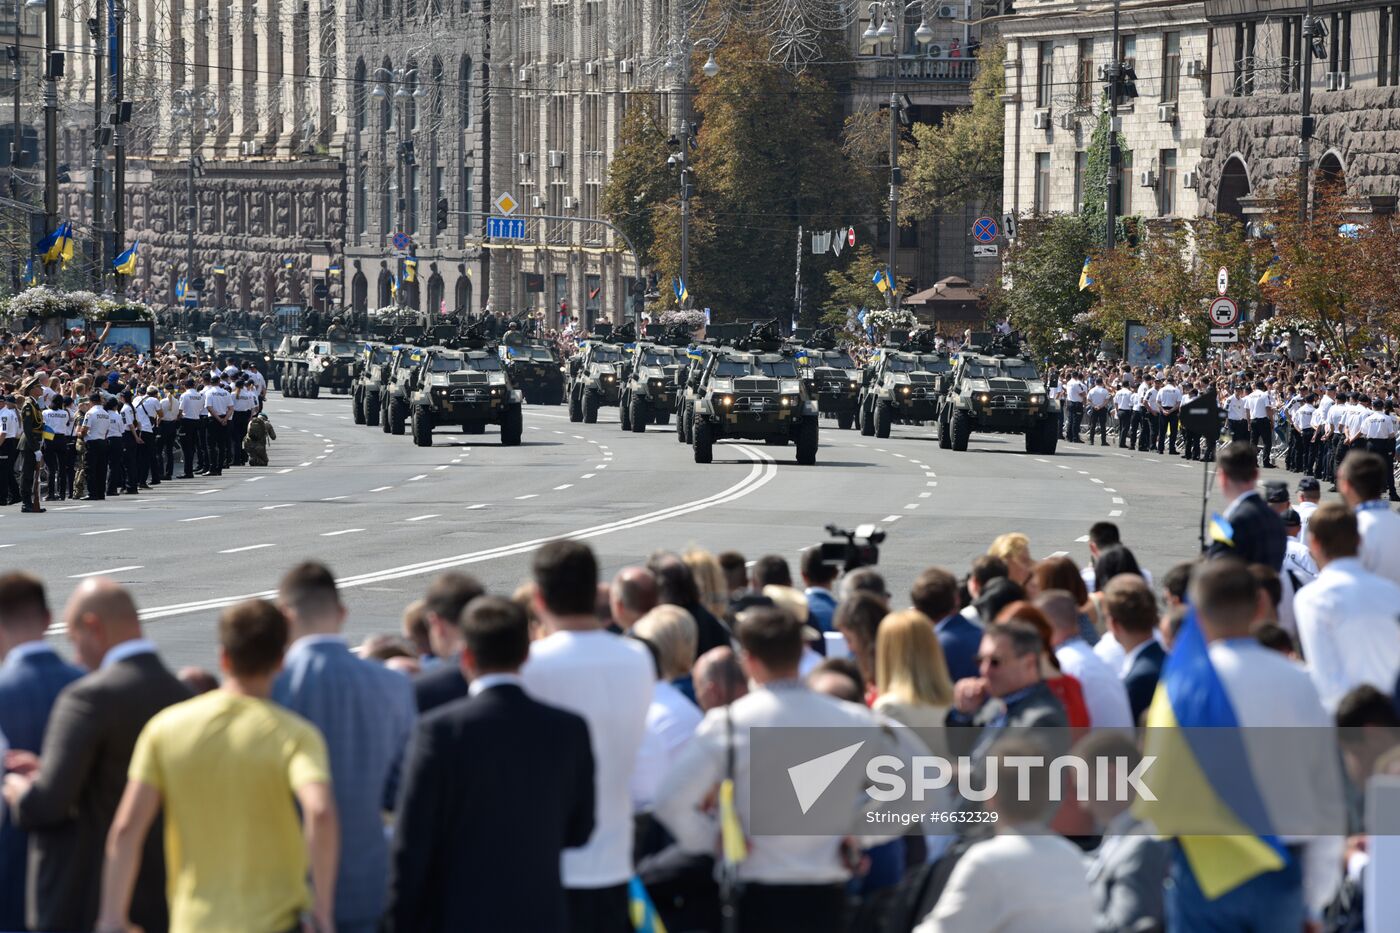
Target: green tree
639 180
1094 206
1043 299
853 286
959 161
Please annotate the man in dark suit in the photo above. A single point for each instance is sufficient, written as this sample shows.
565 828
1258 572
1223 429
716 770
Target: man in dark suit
365 712
496 787
442 683
31 677
1009 692
1132 620
1256 532
67 804
935 594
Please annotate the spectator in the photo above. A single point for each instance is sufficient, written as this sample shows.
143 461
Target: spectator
1059 573
1104 693
31 677
1277 638
1256 532
818 577
911 676
1347 616
1112 562
633 595
1102 535
676 586
709 580
719 679
1015 550
415 629
68 801
1361 479
1132 621
672 718
461 859
736 572
795 604
858 620
1066 689
609 682
769 570
207 765
935 594
1009 671
838 677
365 712
996 596
198 680
1024 879
985 570
863 580
787 882
442 683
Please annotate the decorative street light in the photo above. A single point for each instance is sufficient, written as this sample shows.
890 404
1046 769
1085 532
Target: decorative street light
406 90
197 108
682 146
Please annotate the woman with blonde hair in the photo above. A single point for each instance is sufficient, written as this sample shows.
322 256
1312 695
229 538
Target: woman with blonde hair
709 580
1015 549
911 676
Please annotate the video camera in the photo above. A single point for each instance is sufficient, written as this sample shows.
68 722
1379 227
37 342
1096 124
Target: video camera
859 549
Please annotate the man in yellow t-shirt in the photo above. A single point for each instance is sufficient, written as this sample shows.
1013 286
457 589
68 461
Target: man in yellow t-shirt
228 769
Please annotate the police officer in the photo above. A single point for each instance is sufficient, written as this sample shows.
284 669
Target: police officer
58 450
1168 417
191 426
119 466
1099 398
1123 402
96 423
9 451
1146 412
168 431
1237 415
31 441
219 406
245 402
147 439
1074 398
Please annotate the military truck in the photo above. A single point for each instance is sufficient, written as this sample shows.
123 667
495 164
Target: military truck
651 381
393 400
992 392
306 365
371 372
533 368
467 387
753 391
902 384
595 375
831 376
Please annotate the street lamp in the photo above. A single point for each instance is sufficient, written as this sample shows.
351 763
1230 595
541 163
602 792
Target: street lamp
682 146
400 79
892 16
197 108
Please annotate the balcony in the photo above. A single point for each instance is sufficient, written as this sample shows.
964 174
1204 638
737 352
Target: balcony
921 69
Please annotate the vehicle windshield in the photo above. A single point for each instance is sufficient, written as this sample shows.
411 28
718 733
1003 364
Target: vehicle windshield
899 364
935 364
838 359
605 355
540 353
1001 370
776 369
241 344
445 364
657 358
342 348
484 364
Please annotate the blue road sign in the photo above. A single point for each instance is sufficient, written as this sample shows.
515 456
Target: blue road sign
506 228
401 242
984 230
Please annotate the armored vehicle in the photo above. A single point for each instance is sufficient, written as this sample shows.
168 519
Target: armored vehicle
753 391
371 372
533 368
903 384
467 387
595 375
306 365
832 378
393 398
652 376
993 392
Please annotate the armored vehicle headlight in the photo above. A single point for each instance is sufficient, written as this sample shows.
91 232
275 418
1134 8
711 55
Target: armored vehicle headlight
1037 399
789 401
984 398
853 384
904 390
725 400
497 390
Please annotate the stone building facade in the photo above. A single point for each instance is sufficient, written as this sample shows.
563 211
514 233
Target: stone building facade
1055 52
1253 113
419 74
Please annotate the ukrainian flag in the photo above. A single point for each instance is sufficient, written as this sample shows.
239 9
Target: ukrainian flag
125 263
57 245
1218 789
1086 274
30 277
881 280
682 293
410 269
1221 531
219 269
288 263
333 270
180 289
645 919
1272 274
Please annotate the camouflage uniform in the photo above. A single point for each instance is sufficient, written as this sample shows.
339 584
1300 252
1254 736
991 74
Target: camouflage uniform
255 442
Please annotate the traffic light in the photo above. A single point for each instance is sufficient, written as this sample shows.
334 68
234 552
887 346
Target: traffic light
441 214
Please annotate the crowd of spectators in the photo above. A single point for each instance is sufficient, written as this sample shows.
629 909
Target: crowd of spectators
535 760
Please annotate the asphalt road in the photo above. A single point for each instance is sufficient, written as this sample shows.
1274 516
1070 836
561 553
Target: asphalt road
386 515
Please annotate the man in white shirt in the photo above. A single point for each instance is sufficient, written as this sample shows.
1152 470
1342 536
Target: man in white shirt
1260 408
147 410
1074 398
1237 415
1146 407
220 408
1104 693
1348 618
1098 397
580 667
1123 402
168 431
1169 403
245 402
1300 452
94 429
9 451
1361 480
191 425
1378 436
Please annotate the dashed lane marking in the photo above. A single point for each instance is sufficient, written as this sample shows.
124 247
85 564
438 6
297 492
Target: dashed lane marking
104 531
423 518
333 498
414 479
563 487
343 531
199 518
284 505
103 573
246 547
588 476
381 488
891 518
530 495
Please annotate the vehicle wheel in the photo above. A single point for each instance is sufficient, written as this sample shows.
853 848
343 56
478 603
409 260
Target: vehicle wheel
398 414
512 426
313 388
422 428
867 418
1049 438
384 419
591 403
289 386
624 413
704 442
807 435
680 426
884 417
690 426
638 414
371 409
945 436
664 418
844 420
575 404
962 430
357 408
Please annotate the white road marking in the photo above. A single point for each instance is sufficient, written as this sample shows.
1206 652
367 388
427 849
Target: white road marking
336 534
891 518
333 498
931 483
306 464
479 505
288 470
101 573
930 474
199 518
381 488
901 456
1117 500
1094 480
246 547
414 479
254 479
1184 466
1060 554
911 506
558 432
1083 472
528 496
64 508
1109 489
105 531
564 486
925 495
1115 513
420 518
284 505
1041 460
1082 539
443 467
321 457
588 476
205 492
1062 466
601 466
1150 460
881 450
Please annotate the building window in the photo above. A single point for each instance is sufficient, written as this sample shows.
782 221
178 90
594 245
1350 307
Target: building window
1339 52
361 203
464 203
909 235
1171 66
1085 77
1388 47
1081 165
439 102
1126 181
1245 35
361 97
464 91
410 174
1045 74
1042 183
386 201
1166 183
1127 51
1290 77
386 102
593 294
439 191
410 105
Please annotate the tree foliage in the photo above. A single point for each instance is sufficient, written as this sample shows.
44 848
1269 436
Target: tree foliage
852 286
638 179
1043 300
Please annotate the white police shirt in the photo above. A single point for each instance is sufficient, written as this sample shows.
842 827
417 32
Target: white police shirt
1169 396
1123 399
1257 404
58 421
218 401
192 405
1074 391
1098 397
97 421
9 423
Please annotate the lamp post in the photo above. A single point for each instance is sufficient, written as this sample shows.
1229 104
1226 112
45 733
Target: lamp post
892 17
1314 31
198 109
401 79
53 70
681 147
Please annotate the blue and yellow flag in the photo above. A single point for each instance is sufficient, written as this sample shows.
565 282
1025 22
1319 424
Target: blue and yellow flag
682 293
218 269
333 269
180 289
1086 274
394 285
645 919
1221 531
288 262
57 245
881 281
1190 704
125 263
30 276
410 269
1272 273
